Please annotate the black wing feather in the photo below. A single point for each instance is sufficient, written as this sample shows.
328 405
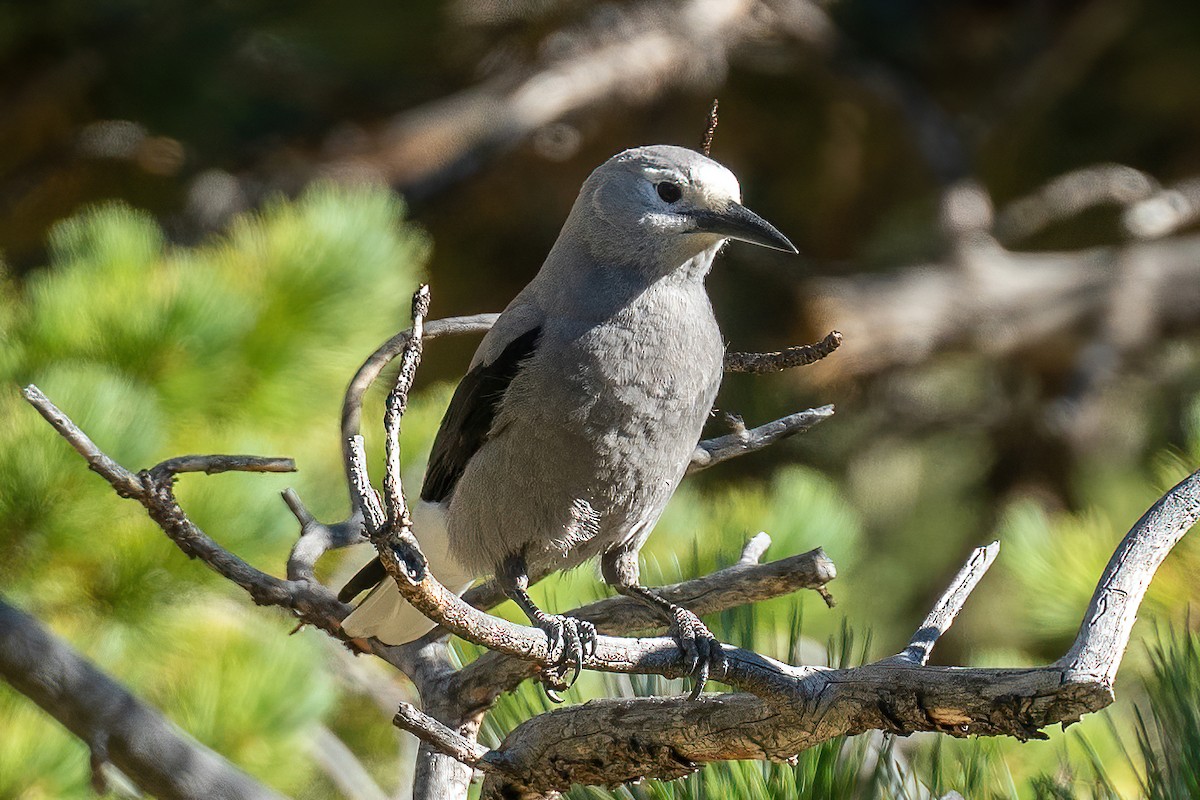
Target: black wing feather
464 429
368 577
469 418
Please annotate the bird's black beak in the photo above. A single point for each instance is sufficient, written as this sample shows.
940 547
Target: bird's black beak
738 222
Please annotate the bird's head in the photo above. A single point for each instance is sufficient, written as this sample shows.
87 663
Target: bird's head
666 201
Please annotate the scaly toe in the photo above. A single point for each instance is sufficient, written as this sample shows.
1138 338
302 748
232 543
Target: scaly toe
703 655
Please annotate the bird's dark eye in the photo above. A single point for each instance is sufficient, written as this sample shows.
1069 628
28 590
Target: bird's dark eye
669 192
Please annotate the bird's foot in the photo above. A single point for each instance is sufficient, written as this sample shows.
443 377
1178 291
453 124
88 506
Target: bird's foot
569 640
700 648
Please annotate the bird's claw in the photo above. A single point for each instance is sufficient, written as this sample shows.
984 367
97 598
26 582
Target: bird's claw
571 639
701 650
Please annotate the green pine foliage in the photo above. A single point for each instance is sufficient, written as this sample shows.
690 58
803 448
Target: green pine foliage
242 344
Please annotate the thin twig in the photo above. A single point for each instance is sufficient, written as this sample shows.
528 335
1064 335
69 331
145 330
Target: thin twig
397 404
370 370
122 480
368 498
754 549
941 617
428 729
722 448
710 130
797 356
214 464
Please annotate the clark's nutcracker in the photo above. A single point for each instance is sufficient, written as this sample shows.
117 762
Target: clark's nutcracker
583 404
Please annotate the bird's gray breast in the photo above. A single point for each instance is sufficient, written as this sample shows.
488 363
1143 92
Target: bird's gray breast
594 432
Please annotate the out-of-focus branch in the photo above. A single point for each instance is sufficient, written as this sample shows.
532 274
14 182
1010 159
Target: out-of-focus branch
342 767
639 53
1070 195
118 727
994 300
1164 213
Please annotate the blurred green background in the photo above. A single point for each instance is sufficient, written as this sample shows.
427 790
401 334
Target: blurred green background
210 215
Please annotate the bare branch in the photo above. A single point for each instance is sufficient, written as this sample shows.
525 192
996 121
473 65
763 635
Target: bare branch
370 370
941 617
612 741
428 729
123 481
651 48
996 301
311 602
368 498
1104 632
755 549
316 538
342 767
161 759
397 404
1164 213
713 451
791 708
211 465
797 356
746 582
1071 194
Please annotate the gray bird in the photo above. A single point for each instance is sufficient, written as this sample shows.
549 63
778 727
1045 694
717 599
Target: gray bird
583 404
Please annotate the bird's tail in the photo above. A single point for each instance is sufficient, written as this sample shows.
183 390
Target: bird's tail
386 615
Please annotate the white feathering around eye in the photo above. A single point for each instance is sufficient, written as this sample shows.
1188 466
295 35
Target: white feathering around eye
716 182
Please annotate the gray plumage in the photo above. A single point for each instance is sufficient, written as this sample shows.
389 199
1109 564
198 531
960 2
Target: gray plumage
585 401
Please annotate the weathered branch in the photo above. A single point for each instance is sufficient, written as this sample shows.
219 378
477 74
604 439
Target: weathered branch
427 729
463 696
213 465
796 356
1104 632
941 617
479 683
118 727
620 740
722 448
312 603
783 709
122 480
